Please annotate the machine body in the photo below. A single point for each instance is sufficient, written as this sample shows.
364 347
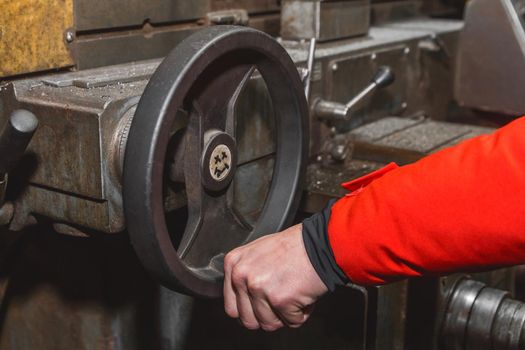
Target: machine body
169 132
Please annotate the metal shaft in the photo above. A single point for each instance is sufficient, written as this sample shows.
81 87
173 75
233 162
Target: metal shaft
330 110
14 138
310 68
478 317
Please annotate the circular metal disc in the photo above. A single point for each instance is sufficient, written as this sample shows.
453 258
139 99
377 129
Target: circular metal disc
186 74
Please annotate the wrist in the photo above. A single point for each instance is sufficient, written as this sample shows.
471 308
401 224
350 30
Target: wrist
319 251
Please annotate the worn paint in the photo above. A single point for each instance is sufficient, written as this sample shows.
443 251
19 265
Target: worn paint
32 35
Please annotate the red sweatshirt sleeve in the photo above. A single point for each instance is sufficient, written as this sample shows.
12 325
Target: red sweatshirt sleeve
461 209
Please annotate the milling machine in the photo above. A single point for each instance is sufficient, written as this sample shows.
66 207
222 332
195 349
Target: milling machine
142 140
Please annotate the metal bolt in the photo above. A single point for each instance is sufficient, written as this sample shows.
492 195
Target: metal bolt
373 57
70 36
406 50
335 67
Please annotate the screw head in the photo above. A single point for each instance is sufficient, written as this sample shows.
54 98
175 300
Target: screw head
220 162
70 36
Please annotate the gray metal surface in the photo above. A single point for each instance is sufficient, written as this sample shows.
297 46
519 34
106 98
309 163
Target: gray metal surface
134 30
96 15
324 20
407 140
94 102
391 139
79 148
491 60
479 317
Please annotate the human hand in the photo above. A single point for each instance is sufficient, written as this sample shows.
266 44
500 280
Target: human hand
270 282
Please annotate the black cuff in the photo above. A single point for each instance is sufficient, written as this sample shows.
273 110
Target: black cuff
315 236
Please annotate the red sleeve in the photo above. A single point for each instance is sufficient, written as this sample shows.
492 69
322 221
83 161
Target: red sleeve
461 209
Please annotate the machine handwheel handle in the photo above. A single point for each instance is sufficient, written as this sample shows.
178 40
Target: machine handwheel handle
203 77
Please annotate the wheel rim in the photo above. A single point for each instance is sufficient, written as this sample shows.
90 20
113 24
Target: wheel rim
203 74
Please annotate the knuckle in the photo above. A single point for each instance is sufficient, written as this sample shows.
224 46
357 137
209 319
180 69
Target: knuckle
230 258
255 285
239 275
278 301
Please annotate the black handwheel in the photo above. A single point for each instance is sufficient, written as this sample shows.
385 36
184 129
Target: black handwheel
203 77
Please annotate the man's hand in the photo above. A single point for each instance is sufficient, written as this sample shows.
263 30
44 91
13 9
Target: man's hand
270 282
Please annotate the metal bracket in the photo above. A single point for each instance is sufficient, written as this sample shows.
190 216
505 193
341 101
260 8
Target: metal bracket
231 17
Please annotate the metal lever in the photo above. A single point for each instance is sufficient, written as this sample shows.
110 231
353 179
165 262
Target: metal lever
310 68
338 111
14 139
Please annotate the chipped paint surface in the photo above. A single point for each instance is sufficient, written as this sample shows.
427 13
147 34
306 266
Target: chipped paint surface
32 35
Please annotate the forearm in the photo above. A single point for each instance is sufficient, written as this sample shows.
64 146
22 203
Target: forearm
460 209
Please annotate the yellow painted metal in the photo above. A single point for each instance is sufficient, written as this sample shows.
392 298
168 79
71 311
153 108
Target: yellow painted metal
32 35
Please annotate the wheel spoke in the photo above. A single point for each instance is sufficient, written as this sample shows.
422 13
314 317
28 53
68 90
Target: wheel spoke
215 100
210 217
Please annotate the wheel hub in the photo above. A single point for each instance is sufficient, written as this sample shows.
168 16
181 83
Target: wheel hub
219 160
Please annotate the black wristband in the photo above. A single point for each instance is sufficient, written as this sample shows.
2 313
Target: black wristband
315 236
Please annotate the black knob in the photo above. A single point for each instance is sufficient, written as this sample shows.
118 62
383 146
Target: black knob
384 77
15 137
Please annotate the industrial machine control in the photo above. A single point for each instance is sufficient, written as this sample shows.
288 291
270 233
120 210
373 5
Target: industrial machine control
141 141
203 76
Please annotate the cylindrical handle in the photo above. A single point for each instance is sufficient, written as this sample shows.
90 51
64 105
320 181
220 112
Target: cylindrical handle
384 77
15 137
337 111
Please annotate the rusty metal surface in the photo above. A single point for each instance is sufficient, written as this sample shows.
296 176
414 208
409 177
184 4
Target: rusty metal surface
133 44
324 182
126 46
392 139
69 161
75 159
32 35
75 293
101 14
92 104
87 34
